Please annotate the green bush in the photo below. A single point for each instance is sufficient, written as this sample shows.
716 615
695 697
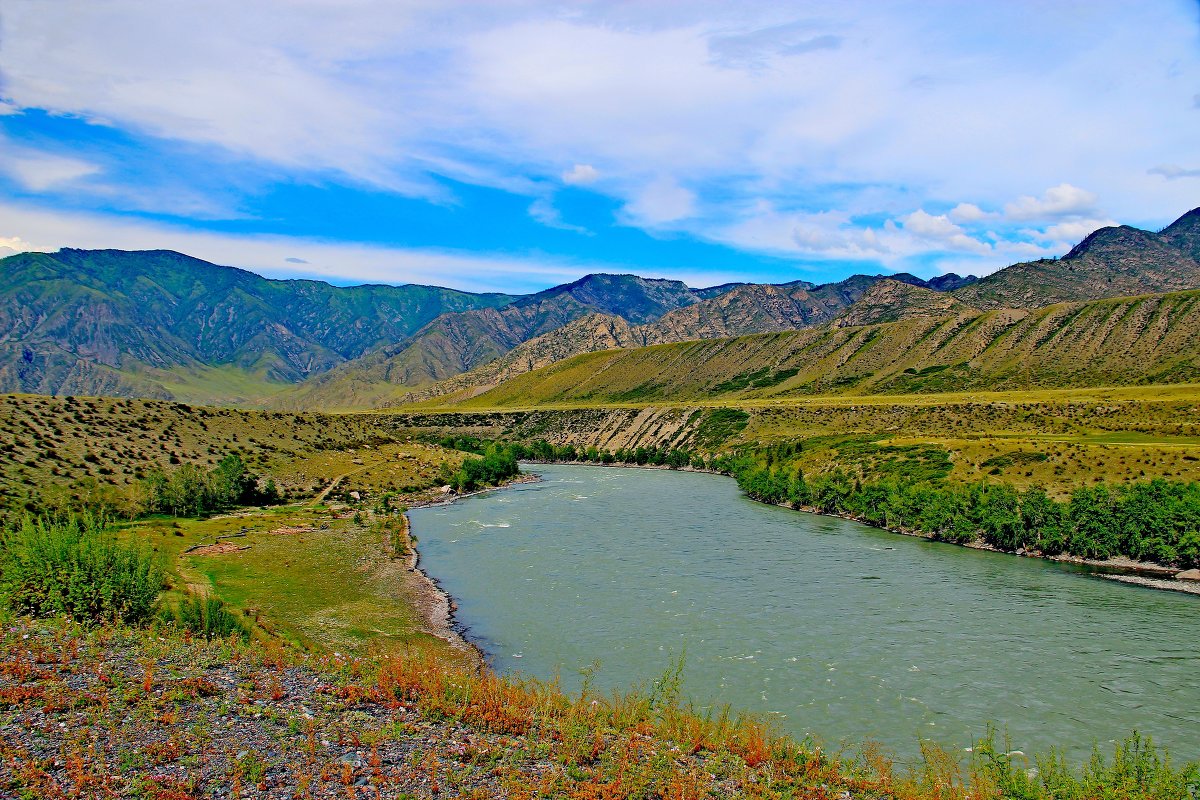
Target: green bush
208 617
1138 771
72 565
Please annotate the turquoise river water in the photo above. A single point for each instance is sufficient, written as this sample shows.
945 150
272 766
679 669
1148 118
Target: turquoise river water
832 627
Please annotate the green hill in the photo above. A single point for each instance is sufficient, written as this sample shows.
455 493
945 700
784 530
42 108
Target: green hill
161 324
743 309
1147 339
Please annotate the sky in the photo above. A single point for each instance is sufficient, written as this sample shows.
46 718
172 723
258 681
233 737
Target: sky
511 146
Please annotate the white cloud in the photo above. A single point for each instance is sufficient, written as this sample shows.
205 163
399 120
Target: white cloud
825 234
940 230
1063 200
969 212
780 100
662 200
1073 231
934 227
581 174
10 245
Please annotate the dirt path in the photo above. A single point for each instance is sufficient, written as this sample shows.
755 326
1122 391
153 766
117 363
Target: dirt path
334 484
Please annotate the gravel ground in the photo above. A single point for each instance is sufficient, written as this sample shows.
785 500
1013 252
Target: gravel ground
125 714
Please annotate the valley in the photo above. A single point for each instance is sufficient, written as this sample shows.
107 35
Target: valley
289 483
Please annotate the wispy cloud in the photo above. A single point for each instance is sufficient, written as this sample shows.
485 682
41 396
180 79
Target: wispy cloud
1173 171
38 171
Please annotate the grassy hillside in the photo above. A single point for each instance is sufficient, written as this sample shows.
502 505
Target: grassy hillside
161 324
745 309
75 449
1152 339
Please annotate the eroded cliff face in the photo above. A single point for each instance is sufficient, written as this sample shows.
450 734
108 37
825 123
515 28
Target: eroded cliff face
604 428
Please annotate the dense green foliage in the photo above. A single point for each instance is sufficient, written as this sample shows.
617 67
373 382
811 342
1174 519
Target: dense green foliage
1156 520
74 566
207 616
498 464
190 491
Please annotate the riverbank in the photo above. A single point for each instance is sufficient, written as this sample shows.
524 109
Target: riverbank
1121 569
827 627
116 712
435 605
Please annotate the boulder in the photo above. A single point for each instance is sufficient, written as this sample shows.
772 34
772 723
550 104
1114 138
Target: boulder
1188 575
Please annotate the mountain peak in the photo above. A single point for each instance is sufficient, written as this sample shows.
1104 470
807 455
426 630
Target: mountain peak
1189 222
637 299
1113 236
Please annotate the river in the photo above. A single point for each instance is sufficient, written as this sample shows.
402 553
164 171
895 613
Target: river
829 626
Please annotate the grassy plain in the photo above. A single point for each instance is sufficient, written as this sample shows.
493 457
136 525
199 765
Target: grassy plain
324 575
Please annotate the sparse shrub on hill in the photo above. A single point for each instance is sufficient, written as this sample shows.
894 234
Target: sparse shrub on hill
72 565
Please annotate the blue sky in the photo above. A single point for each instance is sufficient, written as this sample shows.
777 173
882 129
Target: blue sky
514 145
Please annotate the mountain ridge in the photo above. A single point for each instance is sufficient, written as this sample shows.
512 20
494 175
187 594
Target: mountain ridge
148 318
162 324
1112 341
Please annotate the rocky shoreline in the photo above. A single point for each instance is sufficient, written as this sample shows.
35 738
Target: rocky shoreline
436 606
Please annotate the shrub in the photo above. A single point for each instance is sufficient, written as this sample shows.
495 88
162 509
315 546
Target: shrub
72 565
208 617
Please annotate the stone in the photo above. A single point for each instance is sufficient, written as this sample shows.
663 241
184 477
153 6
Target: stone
1188 575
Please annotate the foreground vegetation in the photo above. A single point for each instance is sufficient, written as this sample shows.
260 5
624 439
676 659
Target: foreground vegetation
118 711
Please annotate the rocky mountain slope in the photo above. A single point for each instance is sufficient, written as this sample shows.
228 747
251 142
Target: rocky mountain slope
1111 262
162 324
455 343
1147 339
891 300
743 309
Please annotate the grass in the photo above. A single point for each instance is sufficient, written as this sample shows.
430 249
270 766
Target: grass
1114 434
333 585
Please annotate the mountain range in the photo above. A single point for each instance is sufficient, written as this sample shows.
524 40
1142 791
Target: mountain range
164 325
